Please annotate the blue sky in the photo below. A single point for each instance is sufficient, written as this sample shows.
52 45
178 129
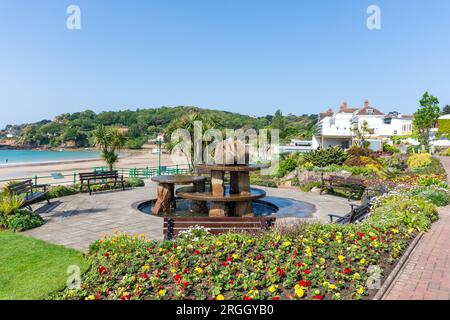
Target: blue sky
248 56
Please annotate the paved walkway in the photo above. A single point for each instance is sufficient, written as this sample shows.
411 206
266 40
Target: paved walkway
76 221
426 274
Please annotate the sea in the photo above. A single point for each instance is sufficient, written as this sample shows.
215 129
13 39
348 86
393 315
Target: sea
16 157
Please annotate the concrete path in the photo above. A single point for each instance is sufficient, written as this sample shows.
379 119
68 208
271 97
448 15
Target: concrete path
426 274
76 221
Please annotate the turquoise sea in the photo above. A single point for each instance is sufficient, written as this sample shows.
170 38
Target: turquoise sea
11 157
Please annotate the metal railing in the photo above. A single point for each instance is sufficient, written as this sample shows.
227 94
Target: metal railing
73 178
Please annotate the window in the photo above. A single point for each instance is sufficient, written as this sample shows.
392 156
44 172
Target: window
370 111
395 131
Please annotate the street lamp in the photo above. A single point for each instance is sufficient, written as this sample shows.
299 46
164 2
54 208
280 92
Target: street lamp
159 140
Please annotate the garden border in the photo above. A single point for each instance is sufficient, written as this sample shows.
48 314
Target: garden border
387 285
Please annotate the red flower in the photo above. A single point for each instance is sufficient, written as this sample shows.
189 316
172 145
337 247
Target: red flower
229 259
174 246
224 263
360 234
102 270
231 282
300 264
304 283
196 252
246 298
106 254
317 297
186 283
373 238
259 257
143 276
348 271
177 278
281 272
306 271
186 270
276 298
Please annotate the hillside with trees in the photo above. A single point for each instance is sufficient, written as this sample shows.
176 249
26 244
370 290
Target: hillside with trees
76 129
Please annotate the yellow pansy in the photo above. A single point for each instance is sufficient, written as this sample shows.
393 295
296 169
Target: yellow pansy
235 256
219 243
320 241
162 292
322 261
299 291
286 243
360 290
90 297
341 258
362 261
173 270
133 278
394 230
220 297
356 276
199 270
273 288
332 287
146 267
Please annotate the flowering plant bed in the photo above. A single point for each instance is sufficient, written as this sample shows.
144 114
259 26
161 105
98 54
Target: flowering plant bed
310 261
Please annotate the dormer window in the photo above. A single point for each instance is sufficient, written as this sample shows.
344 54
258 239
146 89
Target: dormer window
370 111
332 121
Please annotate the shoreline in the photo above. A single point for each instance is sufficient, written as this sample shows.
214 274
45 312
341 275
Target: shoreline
55 162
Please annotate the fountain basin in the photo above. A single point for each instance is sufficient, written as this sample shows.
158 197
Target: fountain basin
270 206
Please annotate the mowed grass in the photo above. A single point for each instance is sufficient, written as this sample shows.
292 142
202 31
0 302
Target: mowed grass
33 269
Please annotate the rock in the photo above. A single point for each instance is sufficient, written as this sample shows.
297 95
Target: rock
315 190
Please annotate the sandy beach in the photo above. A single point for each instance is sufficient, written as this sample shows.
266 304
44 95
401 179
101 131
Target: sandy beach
133 159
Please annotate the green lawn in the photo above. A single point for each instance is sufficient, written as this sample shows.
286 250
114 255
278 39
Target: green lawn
31 268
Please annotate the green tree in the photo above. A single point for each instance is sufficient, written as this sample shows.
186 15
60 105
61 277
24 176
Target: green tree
425 118
446 109
187 122
279 123
361 135
109 139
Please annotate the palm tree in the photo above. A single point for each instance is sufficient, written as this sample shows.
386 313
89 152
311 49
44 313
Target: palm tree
109 140
187 122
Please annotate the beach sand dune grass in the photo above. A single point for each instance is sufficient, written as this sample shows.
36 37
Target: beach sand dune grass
32 268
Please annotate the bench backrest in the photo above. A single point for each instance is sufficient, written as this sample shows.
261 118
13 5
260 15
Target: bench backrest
359 212
349 180
22 187
99 175
174 225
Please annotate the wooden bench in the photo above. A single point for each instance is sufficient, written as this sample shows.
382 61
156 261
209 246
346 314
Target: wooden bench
173 225
101 177
357 214
351 184
29 191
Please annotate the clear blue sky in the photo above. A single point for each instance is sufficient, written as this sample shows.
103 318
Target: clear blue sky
248 56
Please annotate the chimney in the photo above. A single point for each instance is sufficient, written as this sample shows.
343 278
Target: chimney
343 106
366 104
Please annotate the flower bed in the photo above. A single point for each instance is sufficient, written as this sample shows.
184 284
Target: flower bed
310 261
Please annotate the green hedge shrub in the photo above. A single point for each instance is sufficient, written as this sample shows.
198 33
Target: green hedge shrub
24 220
326 157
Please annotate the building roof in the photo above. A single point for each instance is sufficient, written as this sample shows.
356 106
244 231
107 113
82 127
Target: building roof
365 110
445 117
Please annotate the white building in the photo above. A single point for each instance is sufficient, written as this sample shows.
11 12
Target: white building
337 128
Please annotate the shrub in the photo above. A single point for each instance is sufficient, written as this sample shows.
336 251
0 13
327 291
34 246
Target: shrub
361 161
62 191
24 220
445 153
360 152
428 181
390 149
419 160
435 168
263 180
287 165
135 182
396 161
309 186
325 157
10 204
415 212
436 195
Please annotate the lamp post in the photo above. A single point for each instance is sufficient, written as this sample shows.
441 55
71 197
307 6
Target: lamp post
159 141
